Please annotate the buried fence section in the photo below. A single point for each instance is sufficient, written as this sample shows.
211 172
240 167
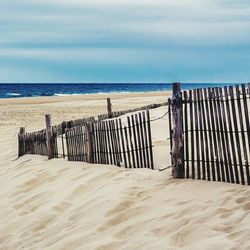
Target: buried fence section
42 142
112 142
215 139
36 143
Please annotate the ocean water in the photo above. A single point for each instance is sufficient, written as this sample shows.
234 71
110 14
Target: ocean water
55 89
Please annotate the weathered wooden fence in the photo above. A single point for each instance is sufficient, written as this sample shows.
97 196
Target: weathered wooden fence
111 142
36 143
210 133
39 142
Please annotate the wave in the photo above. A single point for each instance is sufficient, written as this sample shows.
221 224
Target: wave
13 94
107 92
58 94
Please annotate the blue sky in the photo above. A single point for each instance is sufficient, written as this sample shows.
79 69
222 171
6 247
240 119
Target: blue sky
125 41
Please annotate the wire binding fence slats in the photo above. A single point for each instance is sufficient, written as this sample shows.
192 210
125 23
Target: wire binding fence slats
216 133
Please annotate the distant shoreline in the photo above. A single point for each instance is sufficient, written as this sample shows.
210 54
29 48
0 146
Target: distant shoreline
90 96
10 91
80 97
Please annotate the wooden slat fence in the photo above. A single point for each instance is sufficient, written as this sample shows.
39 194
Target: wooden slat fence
216 134
35 143
34 139
76 141
114 143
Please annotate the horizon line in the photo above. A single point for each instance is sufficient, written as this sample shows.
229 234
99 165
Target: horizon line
213 82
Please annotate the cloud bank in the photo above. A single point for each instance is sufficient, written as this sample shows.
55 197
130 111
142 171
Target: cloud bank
124 41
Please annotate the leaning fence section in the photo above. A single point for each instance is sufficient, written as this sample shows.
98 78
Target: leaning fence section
44 143
216 133
127 144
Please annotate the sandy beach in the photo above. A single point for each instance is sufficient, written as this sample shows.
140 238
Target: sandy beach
58 204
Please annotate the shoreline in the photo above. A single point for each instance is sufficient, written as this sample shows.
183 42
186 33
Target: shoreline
78 97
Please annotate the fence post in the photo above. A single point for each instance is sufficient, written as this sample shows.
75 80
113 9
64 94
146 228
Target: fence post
177 150
21 142
49 136
109 107
90 152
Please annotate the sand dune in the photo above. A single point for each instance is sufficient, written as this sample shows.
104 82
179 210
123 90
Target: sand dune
71 205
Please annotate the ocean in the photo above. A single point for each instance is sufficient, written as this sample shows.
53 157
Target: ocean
60 89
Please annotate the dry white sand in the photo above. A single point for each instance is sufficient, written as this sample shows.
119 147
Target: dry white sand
71 205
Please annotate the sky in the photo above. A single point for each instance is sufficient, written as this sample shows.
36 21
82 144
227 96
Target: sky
124 41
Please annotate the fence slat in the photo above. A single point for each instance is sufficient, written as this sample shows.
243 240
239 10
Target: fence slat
74 143
106 144
103 144
71 132
139 140
219 130
136 142
215 145
95 142
75 133
247 124
197 143
241 125
106 156
112 142
123 144
117 129
232 142
227 154
67 143
109 142
206 142
146 140
142 136
81 141
100 132
116 151
99 142
192 131
128 152
99 128
235 122
115 144
150 141
201 128
131 140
